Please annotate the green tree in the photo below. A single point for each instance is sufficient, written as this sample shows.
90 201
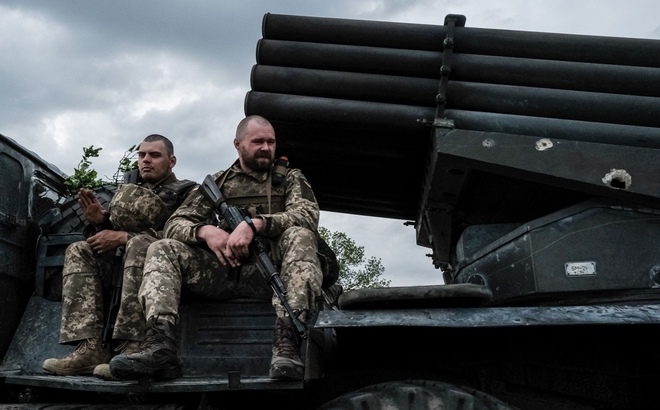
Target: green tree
354 271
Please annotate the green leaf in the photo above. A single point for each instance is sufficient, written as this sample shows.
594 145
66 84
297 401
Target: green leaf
84 176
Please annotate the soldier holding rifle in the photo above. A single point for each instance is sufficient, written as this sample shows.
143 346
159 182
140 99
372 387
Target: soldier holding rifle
202 259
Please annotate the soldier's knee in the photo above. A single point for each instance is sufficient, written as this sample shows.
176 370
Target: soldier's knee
140 239
298 244
138 244
165 247
158 246
79 258
78 248
300 235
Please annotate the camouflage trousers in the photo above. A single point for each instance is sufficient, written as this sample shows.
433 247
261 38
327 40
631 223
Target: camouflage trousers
174 269
87 286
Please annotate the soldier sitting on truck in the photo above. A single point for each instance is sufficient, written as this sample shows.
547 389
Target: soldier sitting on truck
137 211
203 260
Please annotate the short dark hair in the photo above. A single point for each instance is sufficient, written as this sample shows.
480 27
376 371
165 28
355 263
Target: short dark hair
157 137
242 126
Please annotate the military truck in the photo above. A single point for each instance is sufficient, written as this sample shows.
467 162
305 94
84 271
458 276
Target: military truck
527 162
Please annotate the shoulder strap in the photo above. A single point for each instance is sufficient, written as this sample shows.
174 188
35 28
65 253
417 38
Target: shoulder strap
222 179
268 193
269 183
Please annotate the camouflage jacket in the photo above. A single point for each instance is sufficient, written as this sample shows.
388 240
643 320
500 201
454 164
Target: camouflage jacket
292 204
170 189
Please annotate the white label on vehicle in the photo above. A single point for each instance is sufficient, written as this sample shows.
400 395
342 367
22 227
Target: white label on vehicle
580 268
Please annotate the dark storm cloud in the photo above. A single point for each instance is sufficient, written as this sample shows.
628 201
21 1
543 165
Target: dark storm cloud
101 55
207 31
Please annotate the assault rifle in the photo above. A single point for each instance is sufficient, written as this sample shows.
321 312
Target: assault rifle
115 299
233 216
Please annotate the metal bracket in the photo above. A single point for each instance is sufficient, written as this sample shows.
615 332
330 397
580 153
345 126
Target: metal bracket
451 21
458 19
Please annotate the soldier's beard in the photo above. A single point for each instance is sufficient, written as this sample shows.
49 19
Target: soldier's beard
259 162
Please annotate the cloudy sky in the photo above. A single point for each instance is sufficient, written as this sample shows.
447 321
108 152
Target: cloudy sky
79 72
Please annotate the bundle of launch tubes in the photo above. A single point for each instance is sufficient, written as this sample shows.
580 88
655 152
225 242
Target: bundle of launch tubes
351 101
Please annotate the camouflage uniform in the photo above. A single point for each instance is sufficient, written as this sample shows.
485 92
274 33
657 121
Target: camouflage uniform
177 264
87 278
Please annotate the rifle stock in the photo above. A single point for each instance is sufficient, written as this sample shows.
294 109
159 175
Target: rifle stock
233 216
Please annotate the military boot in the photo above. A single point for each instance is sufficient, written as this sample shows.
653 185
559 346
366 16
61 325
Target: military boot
83 360
156 356
102 371
286 363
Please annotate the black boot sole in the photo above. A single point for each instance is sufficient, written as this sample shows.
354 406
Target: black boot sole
127 369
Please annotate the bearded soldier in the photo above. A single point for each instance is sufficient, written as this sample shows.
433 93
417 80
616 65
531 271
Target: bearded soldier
137 212
286 213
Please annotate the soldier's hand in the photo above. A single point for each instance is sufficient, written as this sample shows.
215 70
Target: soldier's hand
107 240
239 240
94 212
216 240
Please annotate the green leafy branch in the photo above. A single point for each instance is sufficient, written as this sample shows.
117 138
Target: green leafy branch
84 176
127 163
